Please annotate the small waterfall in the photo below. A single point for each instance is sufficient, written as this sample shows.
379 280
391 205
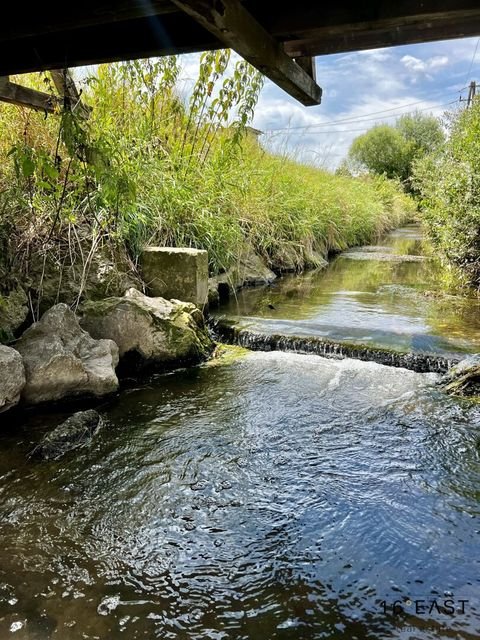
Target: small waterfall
419 362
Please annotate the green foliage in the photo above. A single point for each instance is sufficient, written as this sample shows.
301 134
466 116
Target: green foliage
391 151
147 168
449 183
383 151
423 132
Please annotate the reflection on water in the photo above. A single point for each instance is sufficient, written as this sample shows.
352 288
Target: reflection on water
281 496
374 300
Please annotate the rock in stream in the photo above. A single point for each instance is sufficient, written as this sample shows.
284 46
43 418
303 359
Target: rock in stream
75 432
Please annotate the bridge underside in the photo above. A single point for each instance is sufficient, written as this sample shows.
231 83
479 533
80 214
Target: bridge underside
279 38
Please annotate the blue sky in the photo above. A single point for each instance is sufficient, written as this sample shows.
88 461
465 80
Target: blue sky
356 86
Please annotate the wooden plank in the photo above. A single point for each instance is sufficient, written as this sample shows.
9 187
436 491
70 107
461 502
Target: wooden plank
125 40
67 89
303 18
51 17
384 34
25 97
233 25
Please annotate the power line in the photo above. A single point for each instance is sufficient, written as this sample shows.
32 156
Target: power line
361 119
473 60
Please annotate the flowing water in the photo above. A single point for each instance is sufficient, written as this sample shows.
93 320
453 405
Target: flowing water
382 296
275 495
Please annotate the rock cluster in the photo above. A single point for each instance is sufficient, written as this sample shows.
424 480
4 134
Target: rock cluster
158 331
56 358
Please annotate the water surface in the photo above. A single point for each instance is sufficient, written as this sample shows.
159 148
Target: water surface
388 295
281 496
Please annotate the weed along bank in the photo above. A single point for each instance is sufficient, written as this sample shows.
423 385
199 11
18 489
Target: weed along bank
239 321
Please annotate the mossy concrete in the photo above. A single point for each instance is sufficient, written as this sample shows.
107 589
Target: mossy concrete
172 272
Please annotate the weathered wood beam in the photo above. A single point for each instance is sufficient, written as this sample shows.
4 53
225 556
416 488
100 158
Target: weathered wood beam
125 40
51 17
67 89
308 65
25 97
233 25
386 33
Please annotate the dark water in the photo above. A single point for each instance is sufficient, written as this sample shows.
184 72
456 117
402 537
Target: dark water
279 496
273 496
385 296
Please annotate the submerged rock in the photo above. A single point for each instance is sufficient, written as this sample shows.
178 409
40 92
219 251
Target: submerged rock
75 432
463 379
62 360
158 331
12 379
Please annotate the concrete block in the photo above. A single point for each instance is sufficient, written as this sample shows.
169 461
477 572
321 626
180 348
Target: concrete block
176 272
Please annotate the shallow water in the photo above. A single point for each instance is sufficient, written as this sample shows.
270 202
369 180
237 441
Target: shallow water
373 295
279 496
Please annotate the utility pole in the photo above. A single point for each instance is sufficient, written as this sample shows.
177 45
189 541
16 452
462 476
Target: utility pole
471 92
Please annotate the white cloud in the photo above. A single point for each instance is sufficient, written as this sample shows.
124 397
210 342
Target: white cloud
424 66
356 86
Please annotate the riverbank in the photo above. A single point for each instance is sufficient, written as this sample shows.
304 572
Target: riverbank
80 200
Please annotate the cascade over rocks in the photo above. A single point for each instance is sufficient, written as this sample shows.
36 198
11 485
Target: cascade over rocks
71 434
159 331
62 360
12 379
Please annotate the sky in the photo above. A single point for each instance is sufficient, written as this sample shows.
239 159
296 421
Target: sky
356 87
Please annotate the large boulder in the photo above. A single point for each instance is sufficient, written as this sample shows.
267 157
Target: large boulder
62 360
12 379
156 330
75 432
463 379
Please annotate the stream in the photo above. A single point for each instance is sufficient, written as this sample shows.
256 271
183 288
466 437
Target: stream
265 496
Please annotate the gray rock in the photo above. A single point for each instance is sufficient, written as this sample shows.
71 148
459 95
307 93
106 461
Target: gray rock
250 271
62 360
463 379
157 330
176 272
13 313
75 432
12 379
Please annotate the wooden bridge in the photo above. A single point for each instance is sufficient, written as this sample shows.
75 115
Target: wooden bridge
278 38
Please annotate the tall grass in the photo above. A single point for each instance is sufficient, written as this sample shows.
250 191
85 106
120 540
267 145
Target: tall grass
148 168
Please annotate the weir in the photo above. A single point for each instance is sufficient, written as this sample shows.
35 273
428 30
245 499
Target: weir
419 362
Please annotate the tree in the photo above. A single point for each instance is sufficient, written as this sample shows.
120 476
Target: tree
382 150
391 151
422 131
